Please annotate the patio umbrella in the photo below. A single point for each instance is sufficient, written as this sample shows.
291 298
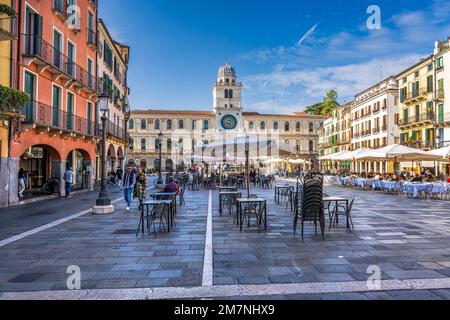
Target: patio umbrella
244 145
331 156
443 152
298 161
397 153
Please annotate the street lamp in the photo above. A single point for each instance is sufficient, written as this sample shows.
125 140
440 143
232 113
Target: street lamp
103 203
160 141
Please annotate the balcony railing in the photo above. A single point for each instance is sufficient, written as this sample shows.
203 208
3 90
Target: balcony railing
8 27
36 47
117 131
424 117
416 94
46 116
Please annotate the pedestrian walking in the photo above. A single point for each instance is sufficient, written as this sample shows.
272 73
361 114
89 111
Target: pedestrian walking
129 180
21 182
68 179
141 188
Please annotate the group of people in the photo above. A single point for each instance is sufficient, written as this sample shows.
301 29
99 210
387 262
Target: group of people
412 176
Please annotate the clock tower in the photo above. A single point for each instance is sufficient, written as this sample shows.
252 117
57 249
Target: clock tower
227 101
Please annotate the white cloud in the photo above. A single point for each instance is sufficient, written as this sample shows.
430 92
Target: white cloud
348 61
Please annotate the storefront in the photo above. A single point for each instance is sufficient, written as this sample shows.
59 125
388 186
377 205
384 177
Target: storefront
35 162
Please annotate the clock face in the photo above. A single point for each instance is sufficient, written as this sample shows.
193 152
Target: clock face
229 122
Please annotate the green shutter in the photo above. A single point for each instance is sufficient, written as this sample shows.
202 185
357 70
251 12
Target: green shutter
441 112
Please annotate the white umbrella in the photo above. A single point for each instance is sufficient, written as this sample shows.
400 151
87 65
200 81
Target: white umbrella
244 145
397 153
331 156
299 161
443 152
350 155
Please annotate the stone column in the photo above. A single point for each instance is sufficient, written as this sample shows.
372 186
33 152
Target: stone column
13 190
57 172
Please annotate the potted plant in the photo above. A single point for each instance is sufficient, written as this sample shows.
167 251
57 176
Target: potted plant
11 102
7 10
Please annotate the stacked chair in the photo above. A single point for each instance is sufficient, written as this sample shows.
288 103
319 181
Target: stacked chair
309 202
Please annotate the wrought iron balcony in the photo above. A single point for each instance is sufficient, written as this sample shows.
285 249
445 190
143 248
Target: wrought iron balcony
116 131
418 119
46 118
60 9
47 57
92 39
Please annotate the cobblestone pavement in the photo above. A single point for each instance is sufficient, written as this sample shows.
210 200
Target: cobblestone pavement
405 238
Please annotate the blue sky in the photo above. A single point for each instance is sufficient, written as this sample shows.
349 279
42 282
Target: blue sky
178 46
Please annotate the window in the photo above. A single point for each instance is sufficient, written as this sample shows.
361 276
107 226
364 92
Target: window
57 51
441 88
143 124
226 94
311 127
143 144
194 124
416 74
441 113
169 144
404 80
131 124
206 125
430 67
286 126
180 124
107 55
439 63
157 124
131 144
298 127
275 125
262 125
230 94
156 144
169 124
311 146
251 125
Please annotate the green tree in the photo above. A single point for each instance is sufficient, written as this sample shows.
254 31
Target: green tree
329 103
315 109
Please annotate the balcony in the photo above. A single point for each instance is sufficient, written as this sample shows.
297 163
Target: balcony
40 52
8 27
439 95
417 120
443 120
114 131
91 39
45 119
376 130
416 95
60 9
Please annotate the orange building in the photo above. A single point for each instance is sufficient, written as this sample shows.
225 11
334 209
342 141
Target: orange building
56 56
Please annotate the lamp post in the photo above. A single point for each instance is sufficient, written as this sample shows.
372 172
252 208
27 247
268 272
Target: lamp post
103 203
160 141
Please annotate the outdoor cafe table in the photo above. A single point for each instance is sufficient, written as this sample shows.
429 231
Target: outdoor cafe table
223 194
338 200
154 203
164 196
226 188
278 189
416 188
249 202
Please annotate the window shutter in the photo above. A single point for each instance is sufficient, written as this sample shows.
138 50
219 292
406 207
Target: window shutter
37 39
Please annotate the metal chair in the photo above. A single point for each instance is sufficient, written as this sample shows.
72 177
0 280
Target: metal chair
341 210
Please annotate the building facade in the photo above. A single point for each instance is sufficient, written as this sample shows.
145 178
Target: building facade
185 130
55 64
374 117
113 60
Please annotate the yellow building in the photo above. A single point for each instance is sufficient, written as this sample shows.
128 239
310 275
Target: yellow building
417 116
7 31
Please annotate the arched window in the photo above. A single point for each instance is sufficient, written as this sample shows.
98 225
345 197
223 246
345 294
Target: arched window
226 93
157 124
311 146
144 124
227 81
262 125
231 106
169 124
275 125
311 127
286 126
180 124
169 144
251 125
156 144
298 146
143 144
131 144
206 125
131 124
230 94
298 127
